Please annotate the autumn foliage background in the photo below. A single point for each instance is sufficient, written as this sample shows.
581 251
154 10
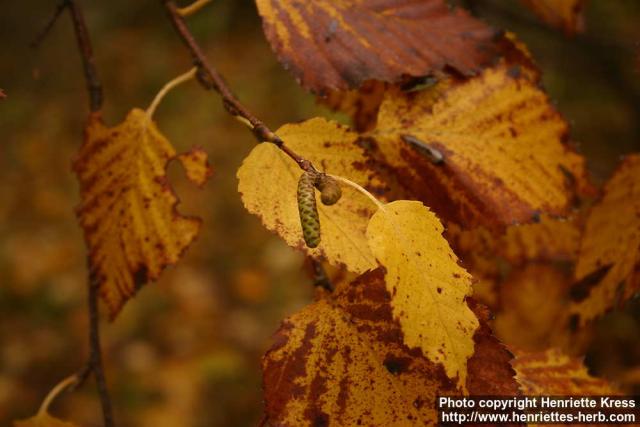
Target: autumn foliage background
186 350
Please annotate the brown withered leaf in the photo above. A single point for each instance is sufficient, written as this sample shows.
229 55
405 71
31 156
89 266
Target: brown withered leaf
2 94
566 15
128 208
341 44
551 373
342 361
488 152
608 268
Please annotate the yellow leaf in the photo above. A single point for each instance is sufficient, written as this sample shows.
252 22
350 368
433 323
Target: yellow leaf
196 165
341 362
608 269
128 209
551 373
533 313
268 181
500 143
43 420
427 285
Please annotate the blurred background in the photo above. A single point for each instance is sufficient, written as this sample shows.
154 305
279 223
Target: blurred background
186 350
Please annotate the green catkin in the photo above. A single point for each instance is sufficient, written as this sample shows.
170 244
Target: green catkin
309 219
330 191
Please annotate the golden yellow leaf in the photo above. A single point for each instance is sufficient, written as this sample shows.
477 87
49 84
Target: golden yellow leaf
128 209
551 373
342 362
487 152
427 285
196 165
564 14
43 420
533 313
331 44
550 239
608 269
268 181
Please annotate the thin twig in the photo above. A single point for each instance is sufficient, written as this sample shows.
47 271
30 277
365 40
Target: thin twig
182 78
94 87
193 7
49 25
211 79
59 388
95 356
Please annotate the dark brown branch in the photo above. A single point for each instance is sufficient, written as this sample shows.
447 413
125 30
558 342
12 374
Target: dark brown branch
49 25
95 356
211 79
94 87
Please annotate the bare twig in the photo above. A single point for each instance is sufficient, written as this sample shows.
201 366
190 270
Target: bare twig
94 87
193 7
55 392
95 357
49 25
211 79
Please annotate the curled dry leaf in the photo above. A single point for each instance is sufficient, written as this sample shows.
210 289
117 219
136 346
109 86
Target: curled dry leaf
427 286
268 181
563 14
608 269
504 157
43 420
330 44
551 373
128 208
342 361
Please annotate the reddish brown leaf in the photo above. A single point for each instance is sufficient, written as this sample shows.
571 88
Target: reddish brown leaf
341 44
